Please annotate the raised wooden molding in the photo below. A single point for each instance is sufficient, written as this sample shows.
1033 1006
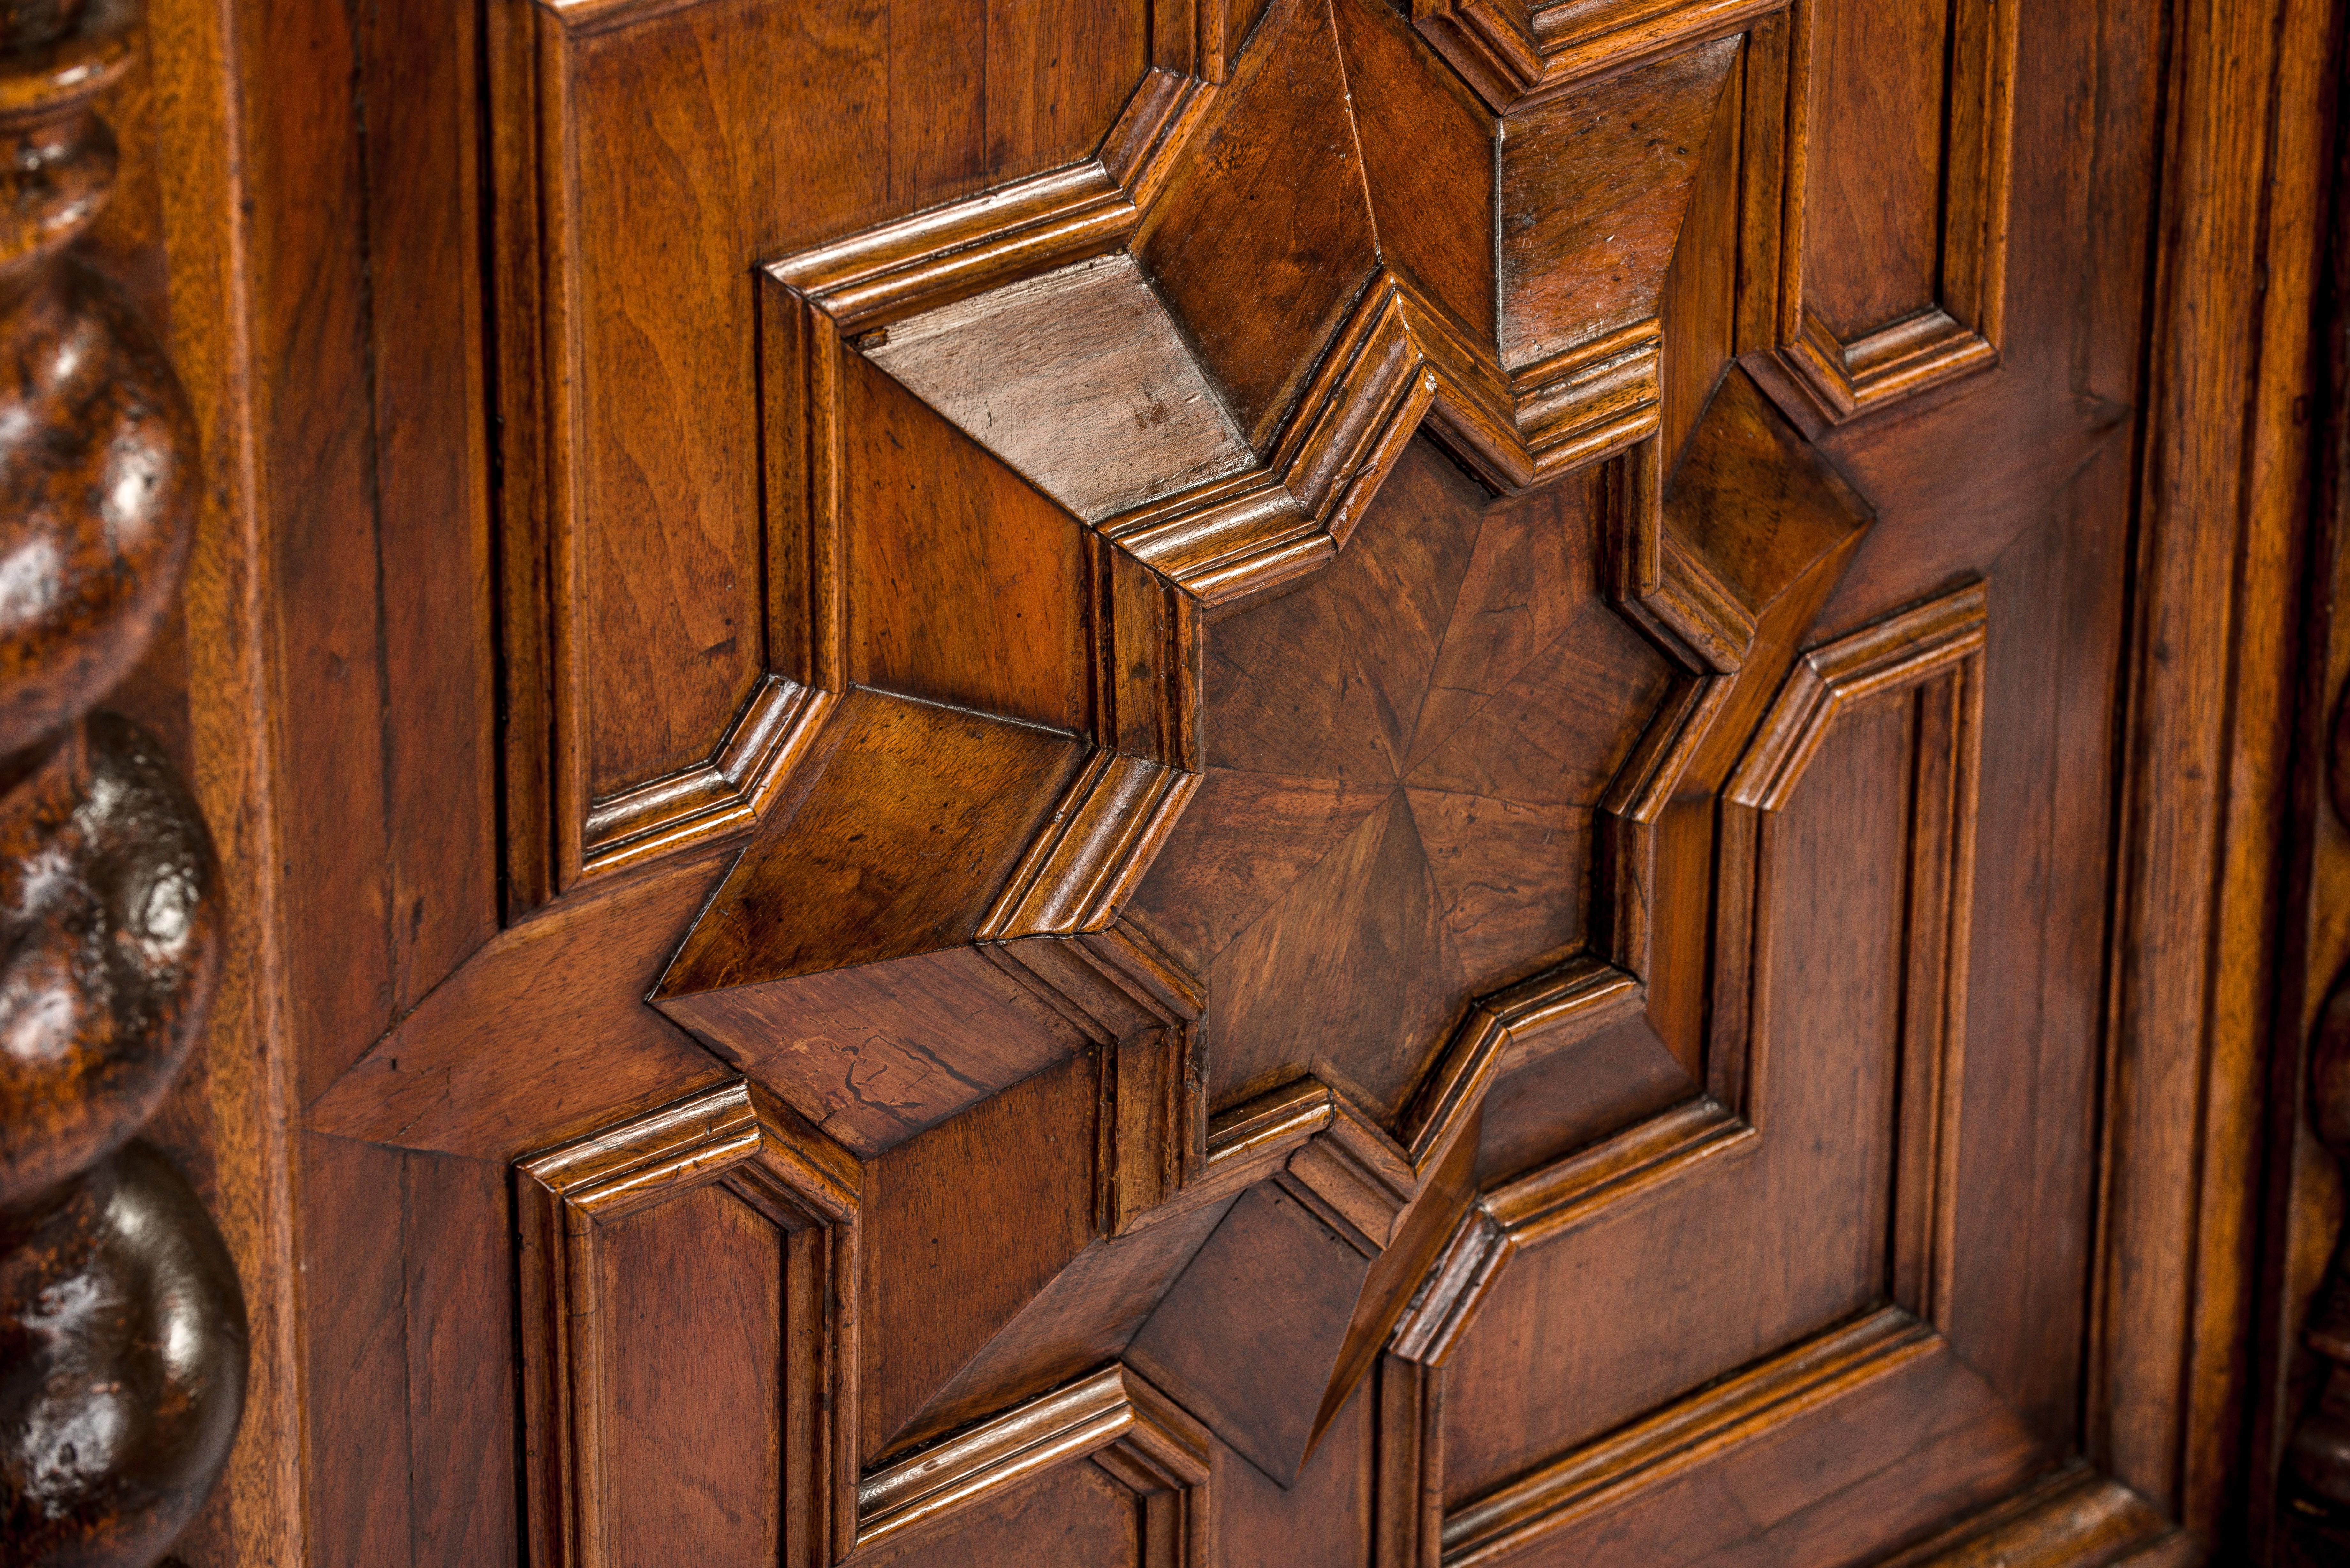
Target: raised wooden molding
1930 655
561 833
1191 506
1902 650
1684 1434
2073 1516
739 1136
1518 52
1098 843
721 796
1114 1417
1957 333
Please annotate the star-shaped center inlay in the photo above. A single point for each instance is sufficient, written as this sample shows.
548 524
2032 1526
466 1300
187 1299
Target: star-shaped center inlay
1404 756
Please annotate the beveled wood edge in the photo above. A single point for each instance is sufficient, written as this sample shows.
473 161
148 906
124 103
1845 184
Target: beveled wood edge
1101 837
1905 649
1397 363
1152 1443
714 799
1600 1475
1833 381
2074 1517
1553 1200
735 1134
1513 56
1337 1158
633 1163
1826 381
866 281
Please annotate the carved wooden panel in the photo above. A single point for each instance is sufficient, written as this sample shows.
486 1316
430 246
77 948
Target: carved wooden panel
1894 274
653 693
689 1338
1901 701
1246 829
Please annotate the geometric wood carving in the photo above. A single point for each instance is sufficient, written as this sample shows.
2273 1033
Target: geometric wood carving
1517 52
1926 660
736 1145
735 1140
1899 129
1301 701
637 725
1134 1433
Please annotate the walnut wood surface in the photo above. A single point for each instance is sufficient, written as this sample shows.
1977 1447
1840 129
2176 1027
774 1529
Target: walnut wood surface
1248 782
121 1324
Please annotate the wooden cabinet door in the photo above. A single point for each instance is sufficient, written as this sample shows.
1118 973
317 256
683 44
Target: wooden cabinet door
1273 782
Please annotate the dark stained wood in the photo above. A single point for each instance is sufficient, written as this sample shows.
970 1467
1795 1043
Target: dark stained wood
951 1219
120 1305
1284 218
1254 781
691 1310
2296 1454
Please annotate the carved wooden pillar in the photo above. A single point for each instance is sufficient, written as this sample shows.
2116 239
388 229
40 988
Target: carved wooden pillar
2319 1451
122 1333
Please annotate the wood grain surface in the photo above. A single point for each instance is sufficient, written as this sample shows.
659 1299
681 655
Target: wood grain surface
1246 782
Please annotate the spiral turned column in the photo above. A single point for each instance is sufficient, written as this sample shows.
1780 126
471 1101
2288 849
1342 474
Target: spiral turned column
122 1331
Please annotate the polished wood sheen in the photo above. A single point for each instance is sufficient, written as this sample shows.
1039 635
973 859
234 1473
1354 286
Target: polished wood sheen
122 1330
1199 784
